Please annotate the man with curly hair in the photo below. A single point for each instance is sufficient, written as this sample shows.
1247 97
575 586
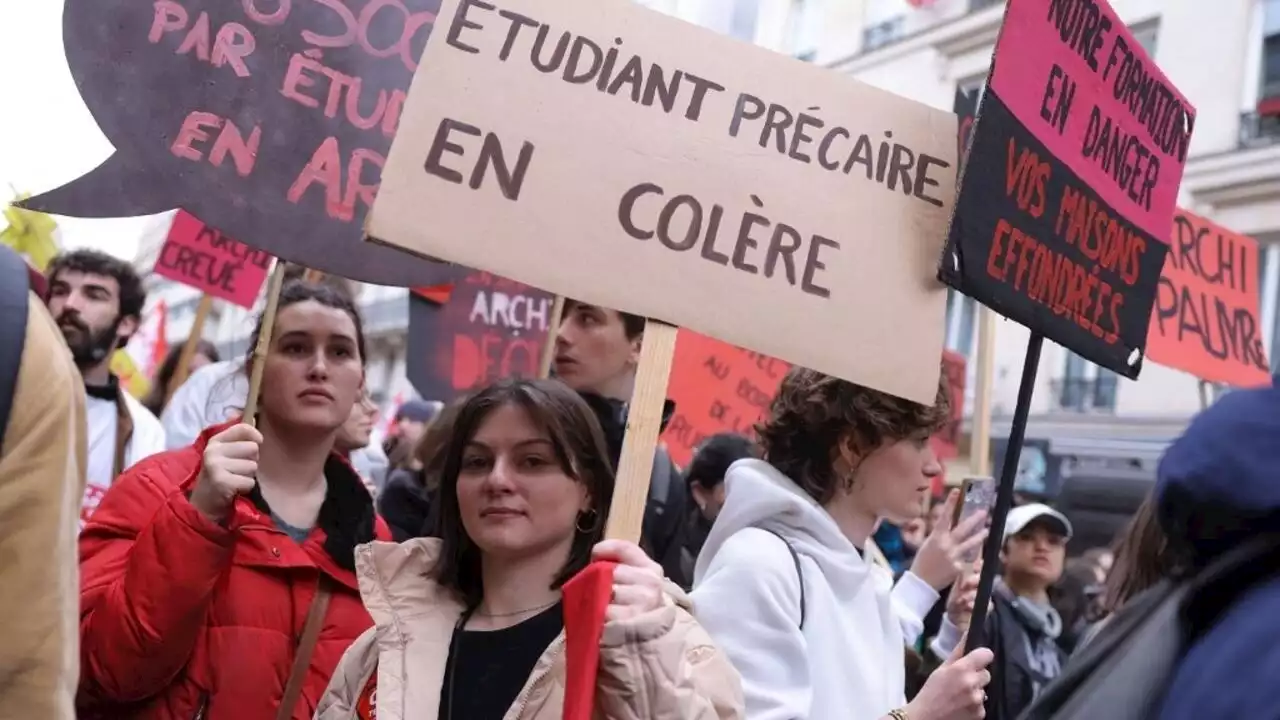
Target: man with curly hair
783 583
97 301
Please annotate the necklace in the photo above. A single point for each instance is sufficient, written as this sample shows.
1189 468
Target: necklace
539 608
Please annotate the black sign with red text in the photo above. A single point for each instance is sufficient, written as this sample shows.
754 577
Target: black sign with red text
1071 182
267 119
490 328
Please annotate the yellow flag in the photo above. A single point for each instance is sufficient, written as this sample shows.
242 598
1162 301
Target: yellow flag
30 233
132 380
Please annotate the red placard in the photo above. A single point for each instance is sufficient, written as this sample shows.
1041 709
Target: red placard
1206 317
200 256
947 442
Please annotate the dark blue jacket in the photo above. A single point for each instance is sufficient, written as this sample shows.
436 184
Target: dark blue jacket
1219 484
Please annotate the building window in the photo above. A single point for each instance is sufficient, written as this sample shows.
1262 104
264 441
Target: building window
1260 123
1085 386
742 22
962 313
883 33
804 28
1270 49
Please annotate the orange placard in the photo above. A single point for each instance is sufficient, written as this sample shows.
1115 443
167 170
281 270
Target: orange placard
717 388
1206 319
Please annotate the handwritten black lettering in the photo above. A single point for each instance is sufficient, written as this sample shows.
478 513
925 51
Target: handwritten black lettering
202 269
1211 256
1063 88
754 228
1167 121
894 165
1223 331
491 155
1123 157
1082 26
580 60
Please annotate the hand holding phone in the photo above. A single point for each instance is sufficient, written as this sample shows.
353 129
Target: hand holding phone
978 495
941 558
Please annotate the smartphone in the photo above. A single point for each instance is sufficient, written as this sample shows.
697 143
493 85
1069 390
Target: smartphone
977 494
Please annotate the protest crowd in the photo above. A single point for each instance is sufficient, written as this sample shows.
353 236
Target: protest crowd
238 542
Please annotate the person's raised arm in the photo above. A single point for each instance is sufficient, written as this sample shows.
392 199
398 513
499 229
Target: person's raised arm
150 559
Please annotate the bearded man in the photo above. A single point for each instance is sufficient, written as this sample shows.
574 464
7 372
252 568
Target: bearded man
97 301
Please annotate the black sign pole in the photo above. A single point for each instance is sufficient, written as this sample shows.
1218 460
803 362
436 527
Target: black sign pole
1004 495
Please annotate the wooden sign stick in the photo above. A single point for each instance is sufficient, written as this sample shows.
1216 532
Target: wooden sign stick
644 420
549 346
264 342
181 372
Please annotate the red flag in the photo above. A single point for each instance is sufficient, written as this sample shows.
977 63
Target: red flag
438 294
586 597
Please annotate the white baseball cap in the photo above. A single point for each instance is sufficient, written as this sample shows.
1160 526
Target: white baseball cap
1023 515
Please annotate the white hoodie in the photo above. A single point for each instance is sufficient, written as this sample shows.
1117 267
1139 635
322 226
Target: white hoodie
847 664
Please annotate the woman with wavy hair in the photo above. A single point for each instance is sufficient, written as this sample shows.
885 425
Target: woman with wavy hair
783 583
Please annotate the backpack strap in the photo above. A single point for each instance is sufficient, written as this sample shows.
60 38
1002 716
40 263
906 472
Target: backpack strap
14 290
306 647
795 557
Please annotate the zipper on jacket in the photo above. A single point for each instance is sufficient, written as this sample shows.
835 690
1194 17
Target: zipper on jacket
202 707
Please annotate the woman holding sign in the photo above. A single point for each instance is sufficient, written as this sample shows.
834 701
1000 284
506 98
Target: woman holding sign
218 579
470 626
783 586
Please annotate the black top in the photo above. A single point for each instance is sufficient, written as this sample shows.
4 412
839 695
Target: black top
487 669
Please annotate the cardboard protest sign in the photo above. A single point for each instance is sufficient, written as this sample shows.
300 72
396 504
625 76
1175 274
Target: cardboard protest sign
1070 186
646 164
716 388
490 328
199 256
267 119
1206 317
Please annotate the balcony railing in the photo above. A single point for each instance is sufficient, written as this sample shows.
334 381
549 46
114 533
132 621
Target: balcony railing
1257 130
1096 394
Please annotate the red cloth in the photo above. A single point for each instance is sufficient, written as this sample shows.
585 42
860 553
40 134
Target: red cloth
181 617
586 597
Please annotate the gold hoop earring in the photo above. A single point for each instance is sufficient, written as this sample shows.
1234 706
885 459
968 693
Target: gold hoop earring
595 522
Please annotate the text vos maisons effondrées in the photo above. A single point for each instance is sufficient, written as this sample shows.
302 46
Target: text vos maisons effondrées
682 222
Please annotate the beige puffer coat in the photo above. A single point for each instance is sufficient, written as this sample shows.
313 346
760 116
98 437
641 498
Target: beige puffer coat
658 666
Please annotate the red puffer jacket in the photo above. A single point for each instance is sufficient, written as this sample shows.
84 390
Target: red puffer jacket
183 618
